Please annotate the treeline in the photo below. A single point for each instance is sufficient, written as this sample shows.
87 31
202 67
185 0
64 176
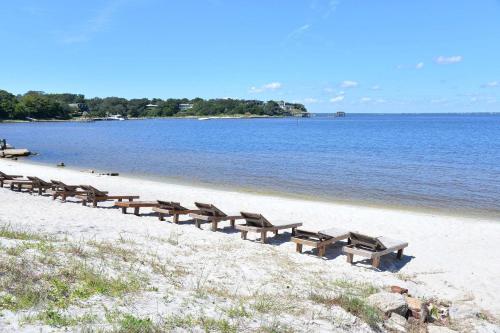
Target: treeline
39 105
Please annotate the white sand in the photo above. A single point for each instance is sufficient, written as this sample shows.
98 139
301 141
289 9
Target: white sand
453 258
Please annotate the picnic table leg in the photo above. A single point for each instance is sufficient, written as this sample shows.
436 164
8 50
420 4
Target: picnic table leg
244 234
124 210
263 236
197 223
176 218
161 217
400 254
275 232
298 247
293 231
84 202
94 203
136 211
214 225
350 258
376 262
120 200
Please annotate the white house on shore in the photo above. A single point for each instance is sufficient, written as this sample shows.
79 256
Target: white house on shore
185 106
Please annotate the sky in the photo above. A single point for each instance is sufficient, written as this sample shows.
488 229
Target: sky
390 56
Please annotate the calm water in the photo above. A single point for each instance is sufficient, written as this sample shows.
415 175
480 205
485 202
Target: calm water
449 162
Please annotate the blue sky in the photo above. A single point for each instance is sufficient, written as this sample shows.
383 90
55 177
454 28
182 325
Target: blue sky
349 55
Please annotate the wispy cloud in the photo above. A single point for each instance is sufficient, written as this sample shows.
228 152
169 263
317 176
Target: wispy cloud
375 87
365 99
93 25
420 65
266 87
337 99
349 84
442 60
298 32
331 7
310 100
492 84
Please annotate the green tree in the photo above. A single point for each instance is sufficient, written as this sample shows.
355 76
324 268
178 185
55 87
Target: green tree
7 104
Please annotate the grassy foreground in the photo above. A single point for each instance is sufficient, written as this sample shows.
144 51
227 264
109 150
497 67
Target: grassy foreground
97 285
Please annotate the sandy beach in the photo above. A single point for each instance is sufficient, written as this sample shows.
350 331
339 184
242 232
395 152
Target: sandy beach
449 258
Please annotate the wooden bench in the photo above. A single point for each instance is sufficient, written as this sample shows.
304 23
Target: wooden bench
318 240
136 205
208 213
171 208
95 196
5 177
372 247
259 224
64 191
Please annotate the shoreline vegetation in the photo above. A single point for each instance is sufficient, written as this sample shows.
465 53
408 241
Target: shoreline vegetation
38 105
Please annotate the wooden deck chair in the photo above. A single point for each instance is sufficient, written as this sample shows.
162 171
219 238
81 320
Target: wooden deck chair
372 247
40 185
30 184
318 240
136 205
171 208
64 191
258 223
5 178
95 196
208 213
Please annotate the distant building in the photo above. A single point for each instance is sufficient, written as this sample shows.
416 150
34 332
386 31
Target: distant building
151 106
286 106
185 106
340 114
79 107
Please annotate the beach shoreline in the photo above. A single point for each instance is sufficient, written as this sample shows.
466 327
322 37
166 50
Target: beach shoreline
442 260
447 212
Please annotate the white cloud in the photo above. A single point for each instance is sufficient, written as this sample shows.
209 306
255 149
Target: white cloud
442 60
94 25
349 84
299 31
375 87
380 101
310 100
492 84
420 65
365 99
337 99
266 87
332 7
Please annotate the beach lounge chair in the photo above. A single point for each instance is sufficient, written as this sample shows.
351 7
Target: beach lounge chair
258 223
32 184
136 205
208 213
170 208
5 178
95 196
372 247
64 191
318 240
40 185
